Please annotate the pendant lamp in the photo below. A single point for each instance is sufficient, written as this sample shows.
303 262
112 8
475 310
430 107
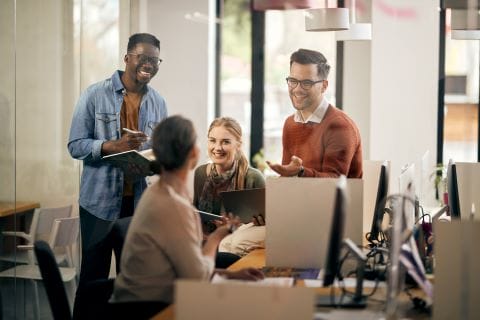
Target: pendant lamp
326 19
262 5
357 31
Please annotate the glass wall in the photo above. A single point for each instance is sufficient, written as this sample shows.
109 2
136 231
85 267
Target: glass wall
52 50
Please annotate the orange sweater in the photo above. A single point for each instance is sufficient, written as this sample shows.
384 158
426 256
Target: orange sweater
328 149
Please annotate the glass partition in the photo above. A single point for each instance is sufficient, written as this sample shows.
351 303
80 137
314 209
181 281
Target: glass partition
53 50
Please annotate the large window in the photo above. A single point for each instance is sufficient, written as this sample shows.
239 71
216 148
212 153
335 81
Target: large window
461 98
236 56
284 33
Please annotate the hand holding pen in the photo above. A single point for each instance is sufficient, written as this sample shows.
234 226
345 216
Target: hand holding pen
133 139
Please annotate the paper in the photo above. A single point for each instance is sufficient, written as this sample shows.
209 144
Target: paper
274 282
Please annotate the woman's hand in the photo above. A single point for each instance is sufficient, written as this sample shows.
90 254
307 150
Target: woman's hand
251 274
227 225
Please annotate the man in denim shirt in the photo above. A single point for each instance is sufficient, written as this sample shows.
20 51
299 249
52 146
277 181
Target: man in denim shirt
123 101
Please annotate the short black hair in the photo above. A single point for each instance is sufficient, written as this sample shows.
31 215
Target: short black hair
172 140
142 38
305 56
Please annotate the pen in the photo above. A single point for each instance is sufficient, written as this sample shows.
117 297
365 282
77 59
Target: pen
134 132
130 131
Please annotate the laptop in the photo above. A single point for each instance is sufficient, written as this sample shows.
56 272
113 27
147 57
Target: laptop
244 203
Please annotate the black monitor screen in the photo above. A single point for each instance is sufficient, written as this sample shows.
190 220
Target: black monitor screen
452 190
336 234
379 210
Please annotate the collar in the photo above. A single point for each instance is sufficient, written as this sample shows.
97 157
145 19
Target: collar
118 85
316 116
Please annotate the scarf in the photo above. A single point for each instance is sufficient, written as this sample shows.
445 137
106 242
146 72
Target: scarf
215 183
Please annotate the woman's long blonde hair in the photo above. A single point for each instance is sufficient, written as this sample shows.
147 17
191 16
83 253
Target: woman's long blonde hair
235 129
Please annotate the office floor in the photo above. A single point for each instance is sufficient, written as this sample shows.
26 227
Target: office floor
17 300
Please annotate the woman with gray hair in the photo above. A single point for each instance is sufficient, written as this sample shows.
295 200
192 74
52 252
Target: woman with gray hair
164 241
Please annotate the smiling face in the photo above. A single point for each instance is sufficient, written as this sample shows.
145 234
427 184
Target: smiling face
222 148
141 63
306 100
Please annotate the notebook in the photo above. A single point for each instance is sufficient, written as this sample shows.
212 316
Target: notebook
244 203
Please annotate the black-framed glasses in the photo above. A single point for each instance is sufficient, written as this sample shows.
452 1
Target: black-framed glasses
305 84
143 58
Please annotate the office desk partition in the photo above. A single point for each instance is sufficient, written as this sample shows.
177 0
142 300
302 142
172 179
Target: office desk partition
375 305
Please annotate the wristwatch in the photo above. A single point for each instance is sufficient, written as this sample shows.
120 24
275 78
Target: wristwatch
300 173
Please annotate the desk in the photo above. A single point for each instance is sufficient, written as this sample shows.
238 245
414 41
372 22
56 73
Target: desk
13 217
256 259
11 208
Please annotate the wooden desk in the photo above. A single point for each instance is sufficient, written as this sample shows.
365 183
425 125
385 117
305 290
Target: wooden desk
14 216
256 259
11 208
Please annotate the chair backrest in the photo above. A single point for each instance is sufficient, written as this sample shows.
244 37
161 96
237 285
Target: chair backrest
64 234
52 280
43 219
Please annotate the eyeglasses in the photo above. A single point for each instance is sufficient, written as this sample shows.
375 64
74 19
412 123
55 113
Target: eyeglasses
305 84
142 58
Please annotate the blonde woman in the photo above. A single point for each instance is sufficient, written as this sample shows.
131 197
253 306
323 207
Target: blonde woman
229 170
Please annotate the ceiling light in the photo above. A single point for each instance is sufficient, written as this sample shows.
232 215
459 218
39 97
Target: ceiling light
326 19
357 31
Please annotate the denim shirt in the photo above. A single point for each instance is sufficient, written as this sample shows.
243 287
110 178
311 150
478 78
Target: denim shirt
96 119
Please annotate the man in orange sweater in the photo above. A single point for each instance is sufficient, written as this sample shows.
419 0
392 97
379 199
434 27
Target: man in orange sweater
319 140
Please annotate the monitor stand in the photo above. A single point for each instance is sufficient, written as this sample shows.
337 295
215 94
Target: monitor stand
343 301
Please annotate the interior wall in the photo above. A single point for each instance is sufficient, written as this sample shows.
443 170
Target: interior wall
404 75
185 77
356 88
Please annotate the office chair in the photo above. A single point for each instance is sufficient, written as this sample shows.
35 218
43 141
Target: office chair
64 234
40 227
52 280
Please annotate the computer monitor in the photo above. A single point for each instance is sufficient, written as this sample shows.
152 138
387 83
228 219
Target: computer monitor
337 228
332 261
452 189
406 184
382 192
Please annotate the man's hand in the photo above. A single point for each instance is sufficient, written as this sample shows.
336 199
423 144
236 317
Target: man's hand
290 170
129 141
